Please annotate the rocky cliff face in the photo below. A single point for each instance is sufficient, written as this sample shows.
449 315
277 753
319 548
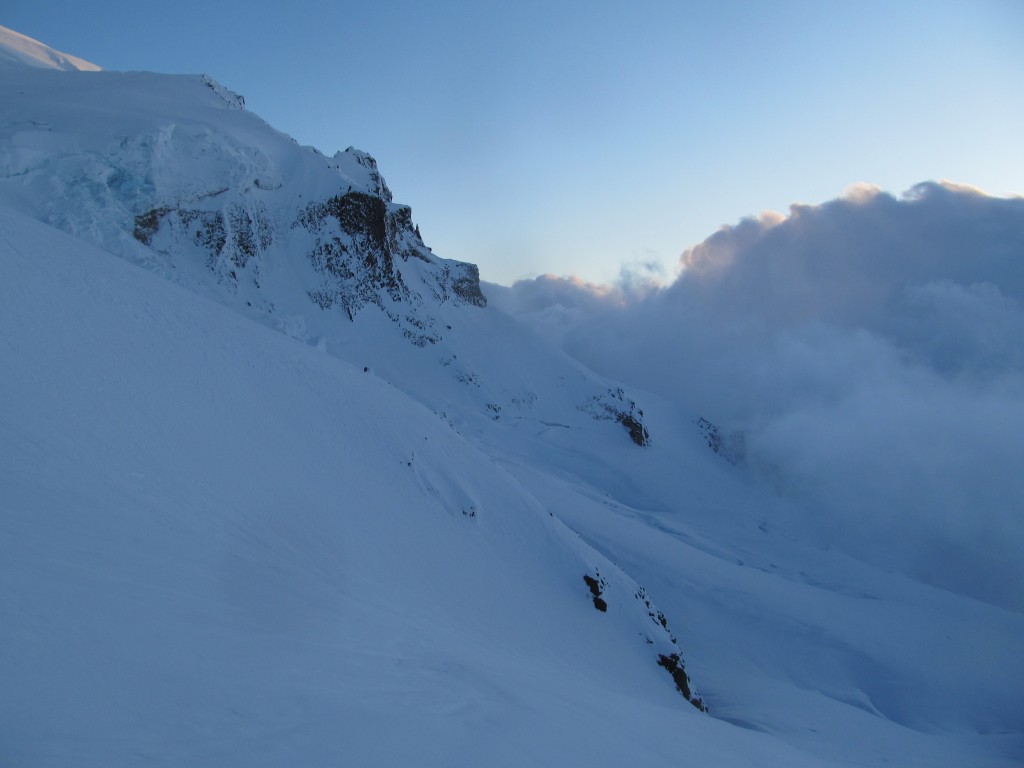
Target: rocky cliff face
197 187
172 173
357 241
361 242
613 405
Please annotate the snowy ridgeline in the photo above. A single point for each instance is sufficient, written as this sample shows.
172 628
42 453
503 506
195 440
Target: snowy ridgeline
385 523
171 174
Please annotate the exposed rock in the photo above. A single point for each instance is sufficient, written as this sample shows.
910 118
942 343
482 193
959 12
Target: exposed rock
359 243
614 406
673 661
233 100
466 284
674 665
229 238
360 239
597 586
147 224
352 246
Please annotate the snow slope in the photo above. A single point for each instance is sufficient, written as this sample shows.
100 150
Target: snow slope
20 50
292 492
222 546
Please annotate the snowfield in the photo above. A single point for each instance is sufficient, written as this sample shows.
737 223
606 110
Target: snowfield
277 487
222 546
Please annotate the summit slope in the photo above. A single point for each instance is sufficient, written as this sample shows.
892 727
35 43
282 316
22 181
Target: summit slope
220 545
20 50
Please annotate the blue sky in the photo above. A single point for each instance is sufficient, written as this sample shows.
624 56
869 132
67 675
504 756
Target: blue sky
578 137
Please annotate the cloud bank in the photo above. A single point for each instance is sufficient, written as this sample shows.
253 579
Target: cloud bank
870 348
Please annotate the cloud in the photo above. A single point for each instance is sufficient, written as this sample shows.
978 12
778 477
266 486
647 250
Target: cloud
841 262
871 348
557 304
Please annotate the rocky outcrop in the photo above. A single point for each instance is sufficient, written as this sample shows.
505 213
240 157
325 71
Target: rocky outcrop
358 242
672 662
232 99
230 238
656 634
361 243
597 585
613 405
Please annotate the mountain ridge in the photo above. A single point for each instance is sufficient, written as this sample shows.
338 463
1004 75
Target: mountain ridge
20 50
173 174
394 526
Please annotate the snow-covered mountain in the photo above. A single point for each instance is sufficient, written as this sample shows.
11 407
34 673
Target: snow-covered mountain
173 174
277 485
20 50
